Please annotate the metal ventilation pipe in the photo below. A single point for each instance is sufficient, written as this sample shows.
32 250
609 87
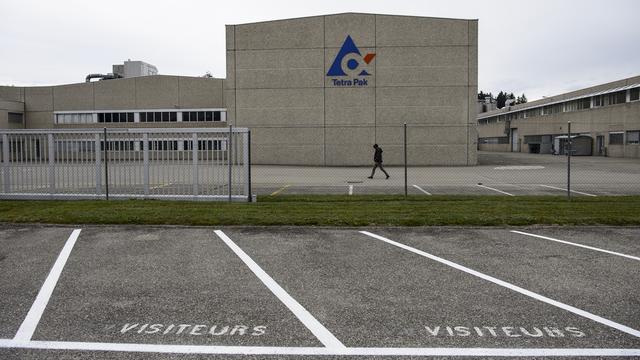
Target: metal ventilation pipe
109 76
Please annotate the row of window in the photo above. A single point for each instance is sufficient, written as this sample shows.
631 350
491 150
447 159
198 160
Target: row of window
154 145
129 117
619 97
615 138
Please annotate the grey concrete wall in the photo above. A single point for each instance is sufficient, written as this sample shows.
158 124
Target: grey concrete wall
140 93
7 106
424 73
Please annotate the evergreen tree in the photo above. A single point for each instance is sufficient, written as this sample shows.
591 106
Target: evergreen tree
501 99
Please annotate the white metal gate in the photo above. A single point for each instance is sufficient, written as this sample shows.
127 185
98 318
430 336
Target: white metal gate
184 164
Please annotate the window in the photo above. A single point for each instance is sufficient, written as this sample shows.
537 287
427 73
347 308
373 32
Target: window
117 145
494 140
115 117
584 104
15 118
634 94
597 101
616 138
619 97
163 145
633 137
80 118
206 145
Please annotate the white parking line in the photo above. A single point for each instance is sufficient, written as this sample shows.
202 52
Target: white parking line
500 191
421 189
573 191
350 189
321 332
578 245
301 351
28 327
510 286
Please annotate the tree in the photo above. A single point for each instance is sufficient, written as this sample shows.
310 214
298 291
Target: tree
521 99
501 99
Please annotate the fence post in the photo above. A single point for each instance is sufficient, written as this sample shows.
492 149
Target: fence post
406 191
5 164
247 164
145 162
106 165
569 161
98 165
230 156
52 164
194 154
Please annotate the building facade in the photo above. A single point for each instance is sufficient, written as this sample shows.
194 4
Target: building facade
607 114
314 91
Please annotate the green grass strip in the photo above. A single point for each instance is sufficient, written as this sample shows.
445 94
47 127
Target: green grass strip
338 210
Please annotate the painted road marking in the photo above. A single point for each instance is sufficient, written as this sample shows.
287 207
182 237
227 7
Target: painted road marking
322 333
421 189
350 189
573 191
279 190
510 286
28 327
578 245
490 188
300 351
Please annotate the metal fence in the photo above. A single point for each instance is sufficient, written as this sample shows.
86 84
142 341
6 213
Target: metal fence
181 164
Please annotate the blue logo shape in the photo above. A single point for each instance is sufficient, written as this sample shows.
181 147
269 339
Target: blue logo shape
349 47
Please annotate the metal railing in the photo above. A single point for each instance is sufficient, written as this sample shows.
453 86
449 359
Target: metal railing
181 164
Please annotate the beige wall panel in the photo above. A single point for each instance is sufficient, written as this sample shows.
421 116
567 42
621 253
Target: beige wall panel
287 136
281 34
115 94
280 78
361 28
12 93
440 56
200 93
231 70
269 99
73 97
350 106
38 98
398 115
39 119
310 59
473 66
229 36
157 92
230 105
418 135
422 96
410 31
311 155
289 117
421 76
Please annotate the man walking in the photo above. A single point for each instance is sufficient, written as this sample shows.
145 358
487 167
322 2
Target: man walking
377 159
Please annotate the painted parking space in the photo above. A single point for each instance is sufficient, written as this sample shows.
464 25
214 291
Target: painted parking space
371 294
26 256
600 283
291 291
164 286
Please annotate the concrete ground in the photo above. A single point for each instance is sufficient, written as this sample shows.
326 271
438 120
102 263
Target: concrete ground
497 174
138 292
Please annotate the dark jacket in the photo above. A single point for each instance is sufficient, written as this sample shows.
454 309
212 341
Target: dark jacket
377 157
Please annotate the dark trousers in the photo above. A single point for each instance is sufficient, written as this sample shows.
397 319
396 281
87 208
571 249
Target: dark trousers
378 165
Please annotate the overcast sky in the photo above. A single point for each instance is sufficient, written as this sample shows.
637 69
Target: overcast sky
539 48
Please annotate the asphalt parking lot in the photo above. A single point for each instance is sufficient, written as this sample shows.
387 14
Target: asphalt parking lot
503 174
134 292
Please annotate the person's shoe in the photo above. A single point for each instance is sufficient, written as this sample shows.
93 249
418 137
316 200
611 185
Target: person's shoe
387 176
369 177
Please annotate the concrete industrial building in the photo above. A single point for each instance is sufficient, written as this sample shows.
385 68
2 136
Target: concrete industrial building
606 119
314 91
